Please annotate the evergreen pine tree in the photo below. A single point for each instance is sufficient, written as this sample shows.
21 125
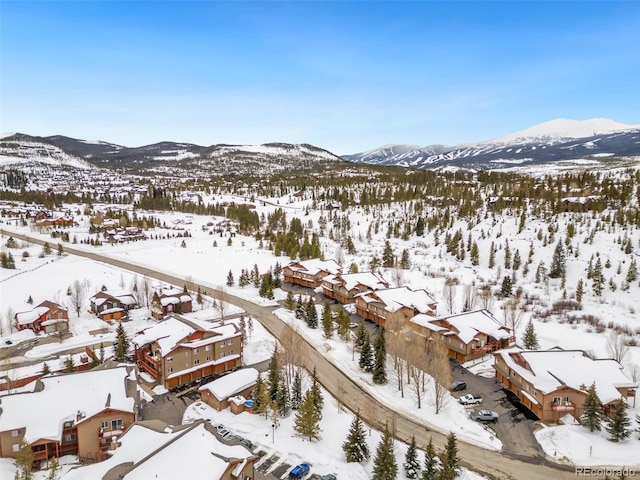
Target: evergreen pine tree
507 255
380 361
311 314
638 422
517 260
296 392
475 254
122 343
384 463
619 426
632 273
492 255
355 446
366 355
300 309
430 470
30 300
283 399
387 255
316 393
101 352
273 378
592 410
530 339
344 324
258 395
541 272
597 278
507 286
69 365
449 459
45 369
46 249
327 320
24 462
307 421
361 333
579 291
290 301
558 262
405 262
411 463
255 276
230 280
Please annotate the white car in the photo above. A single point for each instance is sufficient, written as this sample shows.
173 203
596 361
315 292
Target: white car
470 399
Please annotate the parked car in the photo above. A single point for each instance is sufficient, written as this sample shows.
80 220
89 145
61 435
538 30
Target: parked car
328 476
470 399
484 416
457 386
299 471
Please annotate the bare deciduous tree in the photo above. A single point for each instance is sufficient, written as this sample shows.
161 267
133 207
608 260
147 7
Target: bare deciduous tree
470 298
617 346
416 365
395 340
291 352
221 302
398 276
512 314
78 295
486 298
440 371
449 293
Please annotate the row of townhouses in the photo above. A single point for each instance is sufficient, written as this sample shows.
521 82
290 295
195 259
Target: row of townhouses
550 383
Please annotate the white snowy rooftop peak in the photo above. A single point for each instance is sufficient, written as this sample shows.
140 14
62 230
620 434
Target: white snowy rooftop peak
396 298
549 370
469 324
562 128
371 280
232 384
44 412
190 452
316 265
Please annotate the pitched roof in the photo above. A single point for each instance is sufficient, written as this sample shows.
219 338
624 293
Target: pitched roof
43 412
396 298
549 370
469 324
231 384
370 280
150 451
316 265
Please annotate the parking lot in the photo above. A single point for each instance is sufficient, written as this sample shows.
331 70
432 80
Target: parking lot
516 423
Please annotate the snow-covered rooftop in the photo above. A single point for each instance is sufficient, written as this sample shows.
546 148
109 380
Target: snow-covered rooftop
151 453
469 324
370 280
233 383
316 265
396 298
43 413
552 369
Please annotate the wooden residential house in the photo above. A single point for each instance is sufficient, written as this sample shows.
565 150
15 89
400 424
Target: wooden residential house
169 301
309 273
111 305
345 287
73 414
218 392
399 304
47 317
177 351
554 383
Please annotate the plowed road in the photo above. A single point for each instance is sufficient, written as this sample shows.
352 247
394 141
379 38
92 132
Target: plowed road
490 463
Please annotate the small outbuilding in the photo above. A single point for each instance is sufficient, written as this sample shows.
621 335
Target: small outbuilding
218 393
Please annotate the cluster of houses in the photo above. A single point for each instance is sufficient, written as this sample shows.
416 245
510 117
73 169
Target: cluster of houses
551 383
94 415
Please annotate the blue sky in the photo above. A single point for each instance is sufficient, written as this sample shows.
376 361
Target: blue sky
346 76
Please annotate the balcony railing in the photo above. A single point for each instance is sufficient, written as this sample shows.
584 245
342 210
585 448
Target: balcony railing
563 406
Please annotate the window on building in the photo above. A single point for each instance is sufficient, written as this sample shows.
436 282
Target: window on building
68 424
207 348
230 352
196 351
186 365
104 425
208 358
222 344
169 359
566 399
230 342
116 424
17 432
186 354
15 447
196 361
69 438
170 370
557 400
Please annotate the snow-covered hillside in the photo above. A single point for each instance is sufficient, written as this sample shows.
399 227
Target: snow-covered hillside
15 150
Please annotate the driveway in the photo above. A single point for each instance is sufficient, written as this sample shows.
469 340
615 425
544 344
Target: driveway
516 424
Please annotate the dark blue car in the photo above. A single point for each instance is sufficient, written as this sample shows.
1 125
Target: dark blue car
299 471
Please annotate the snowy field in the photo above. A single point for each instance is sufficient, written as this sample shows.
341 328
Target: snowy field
202 260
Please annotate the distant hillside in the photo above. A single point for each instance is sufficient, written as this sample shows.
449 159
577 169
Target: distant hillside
20 149
552 141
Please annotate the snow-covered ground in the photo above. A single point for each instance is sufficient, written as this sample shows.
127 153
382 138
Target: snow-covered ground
203 261
324 455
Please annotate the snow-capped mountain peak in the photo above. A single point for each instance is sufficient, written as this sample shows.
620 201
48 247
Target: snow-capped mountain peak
563 128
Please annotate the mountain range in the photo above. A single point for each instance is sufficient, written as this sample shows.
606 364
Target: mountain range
558 140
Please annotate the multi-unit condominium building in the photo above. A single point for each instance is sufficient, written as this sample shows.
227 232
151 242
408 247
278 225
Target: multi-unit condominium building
309 273
394 304
72 414
345 287
177 351
468 335
553 383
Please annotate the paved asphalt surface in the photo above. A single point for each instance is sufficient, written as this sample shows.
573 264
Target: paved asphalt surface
495 465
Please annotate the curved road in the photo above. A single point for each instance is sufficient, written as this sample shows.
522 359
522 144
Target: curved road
497 465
